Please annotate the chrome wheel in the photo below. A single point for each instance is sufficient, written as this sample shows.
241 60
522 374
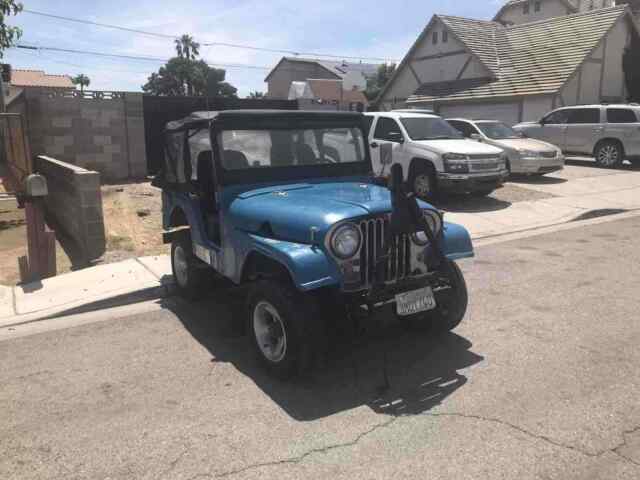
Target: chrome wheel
422 185
269 331
181 266
608 155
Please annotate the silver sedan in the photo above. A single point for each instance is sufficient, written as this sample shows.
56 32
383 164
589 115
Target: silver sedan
526 155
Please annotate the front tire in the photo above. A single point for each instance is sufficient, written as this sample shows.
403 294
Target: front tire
609 154
283 327
423 185
188 274
451 303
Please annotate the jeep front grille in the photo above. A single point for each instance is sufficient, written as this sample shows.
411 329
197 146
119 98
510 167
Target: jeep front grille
398 264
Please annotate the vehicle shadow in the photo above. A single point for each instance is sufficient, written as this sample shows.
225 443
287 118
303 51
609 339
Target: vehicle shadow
471 204
516 178
422 370
589 162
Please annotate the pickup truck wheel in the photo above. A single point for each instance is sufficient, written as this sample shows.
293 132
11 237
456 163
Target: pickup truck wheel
423 185
609 154
282 324
187 273
452 301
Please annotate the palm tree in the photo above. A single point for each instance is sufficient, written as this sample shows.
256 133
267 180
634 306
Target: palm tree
187 48
256 95
81 80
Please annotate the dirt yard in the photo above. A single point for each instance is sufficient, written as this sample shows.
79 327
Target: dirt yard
133 224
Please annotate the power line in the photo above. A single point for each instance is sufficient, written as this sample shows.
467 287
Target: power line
133 57
206 44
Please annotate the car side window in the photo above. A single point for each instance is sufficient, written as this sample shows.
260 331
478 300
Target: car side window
387 129
558 117
464 128
621 115
584 115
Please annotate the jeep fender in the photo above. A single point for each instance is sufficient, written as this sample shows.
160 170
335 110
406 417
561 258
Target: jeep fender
456 242
308 265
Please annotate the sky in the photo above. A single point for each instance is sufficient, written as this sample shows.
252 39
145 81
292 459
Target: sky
338 27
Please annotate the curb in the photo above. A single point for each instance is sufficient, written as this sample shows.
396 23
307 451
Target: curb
146 294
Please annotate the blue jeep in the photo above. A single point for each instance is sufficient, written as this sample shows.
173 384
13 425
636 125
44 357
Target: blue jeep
284 203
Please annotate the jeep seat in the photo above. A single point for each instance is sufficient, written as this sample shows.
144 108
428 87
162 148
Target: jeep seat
234 160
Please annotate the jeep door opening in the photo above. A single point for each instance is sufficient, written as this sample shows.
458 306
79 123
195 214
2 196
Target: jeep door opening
285 203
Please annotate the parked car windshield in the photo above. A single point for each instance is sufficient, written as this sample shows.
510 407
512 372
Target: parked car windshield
429 128
247 149
497 130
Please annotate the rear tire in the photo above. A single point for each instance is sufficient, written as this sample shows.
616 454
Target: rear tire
284 328
451 304
187 269
609 154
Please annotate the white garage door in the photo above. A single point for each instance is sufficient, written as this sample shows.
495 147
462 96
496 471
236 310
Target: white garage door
506 112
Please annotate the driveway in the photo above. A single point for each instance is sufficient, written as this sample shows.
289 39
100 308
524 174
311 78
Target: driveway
580 190
541 381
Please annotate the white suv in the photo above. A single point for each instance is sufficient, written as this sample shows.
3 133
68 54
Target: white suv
610 133
435 156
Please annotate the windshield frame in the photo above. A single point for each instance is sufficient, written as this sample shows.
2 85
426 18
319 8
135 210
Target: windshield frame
289 173
456 134
479 126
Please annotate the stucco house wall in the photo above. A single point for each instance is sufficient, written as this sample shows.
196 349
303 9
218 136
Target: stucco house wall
548 9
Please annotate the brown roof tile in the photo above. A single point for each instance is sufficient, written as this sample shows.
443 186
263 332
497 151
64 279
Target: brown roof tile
37 78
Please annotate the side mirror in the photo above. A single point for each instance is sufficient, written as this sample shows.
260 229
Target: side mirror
476 136
386 154
541 122
522 135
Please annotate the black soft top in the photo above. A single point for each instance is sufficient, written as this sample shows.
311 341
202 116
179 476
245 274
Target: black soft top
265 119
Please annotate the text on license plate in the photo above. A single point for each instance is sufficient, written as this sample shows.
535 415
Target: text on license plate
416 301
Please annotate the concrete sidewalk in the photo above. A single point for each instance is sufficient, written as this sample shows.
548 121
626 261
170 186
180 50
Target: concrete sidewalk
577 190
88 289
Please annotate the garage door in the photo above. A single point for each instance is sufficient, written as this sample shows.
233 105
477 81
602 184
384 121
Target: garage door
506 112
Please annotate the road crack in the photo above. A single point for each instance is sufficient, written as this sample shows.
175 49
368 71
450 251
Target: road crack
313 451
547 439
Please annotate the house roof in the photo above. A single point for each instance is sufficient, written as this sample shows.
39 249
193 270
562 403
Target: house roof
570 4
331 90
37 78
533 58
478 35
337 68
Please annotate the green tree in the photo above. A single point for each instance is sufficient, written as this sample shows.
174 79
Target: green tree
182 76
81 80
256 95
376 83
187 48
8 34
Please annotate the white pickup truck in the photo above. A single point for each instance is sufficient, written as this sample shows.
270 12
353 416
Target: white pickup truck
434 156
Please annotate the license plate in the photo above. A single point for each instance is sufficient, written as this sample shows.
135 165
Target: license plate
416 301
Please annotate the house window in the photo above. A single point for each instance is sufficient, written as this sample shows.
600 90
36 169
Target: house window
445 36
536 6
525 8
435 37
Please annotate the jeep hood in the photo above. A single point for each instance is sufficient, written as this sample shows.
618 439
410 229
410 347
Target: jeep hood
288 212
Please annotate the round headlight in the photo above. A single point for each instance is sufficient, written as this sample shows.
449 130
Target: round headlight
434 221
345 241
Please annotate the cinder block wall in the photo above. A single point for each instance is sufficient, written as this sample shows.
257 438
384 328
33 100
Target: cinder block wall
74 206
104 133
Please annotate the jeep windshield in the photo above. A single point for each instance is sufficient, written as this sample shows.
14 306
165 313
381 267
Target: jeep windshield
497 130
429 128
262 149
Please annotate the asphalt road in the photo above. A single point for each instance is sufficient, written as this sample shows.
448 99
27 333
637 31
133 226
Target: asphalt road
540 381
